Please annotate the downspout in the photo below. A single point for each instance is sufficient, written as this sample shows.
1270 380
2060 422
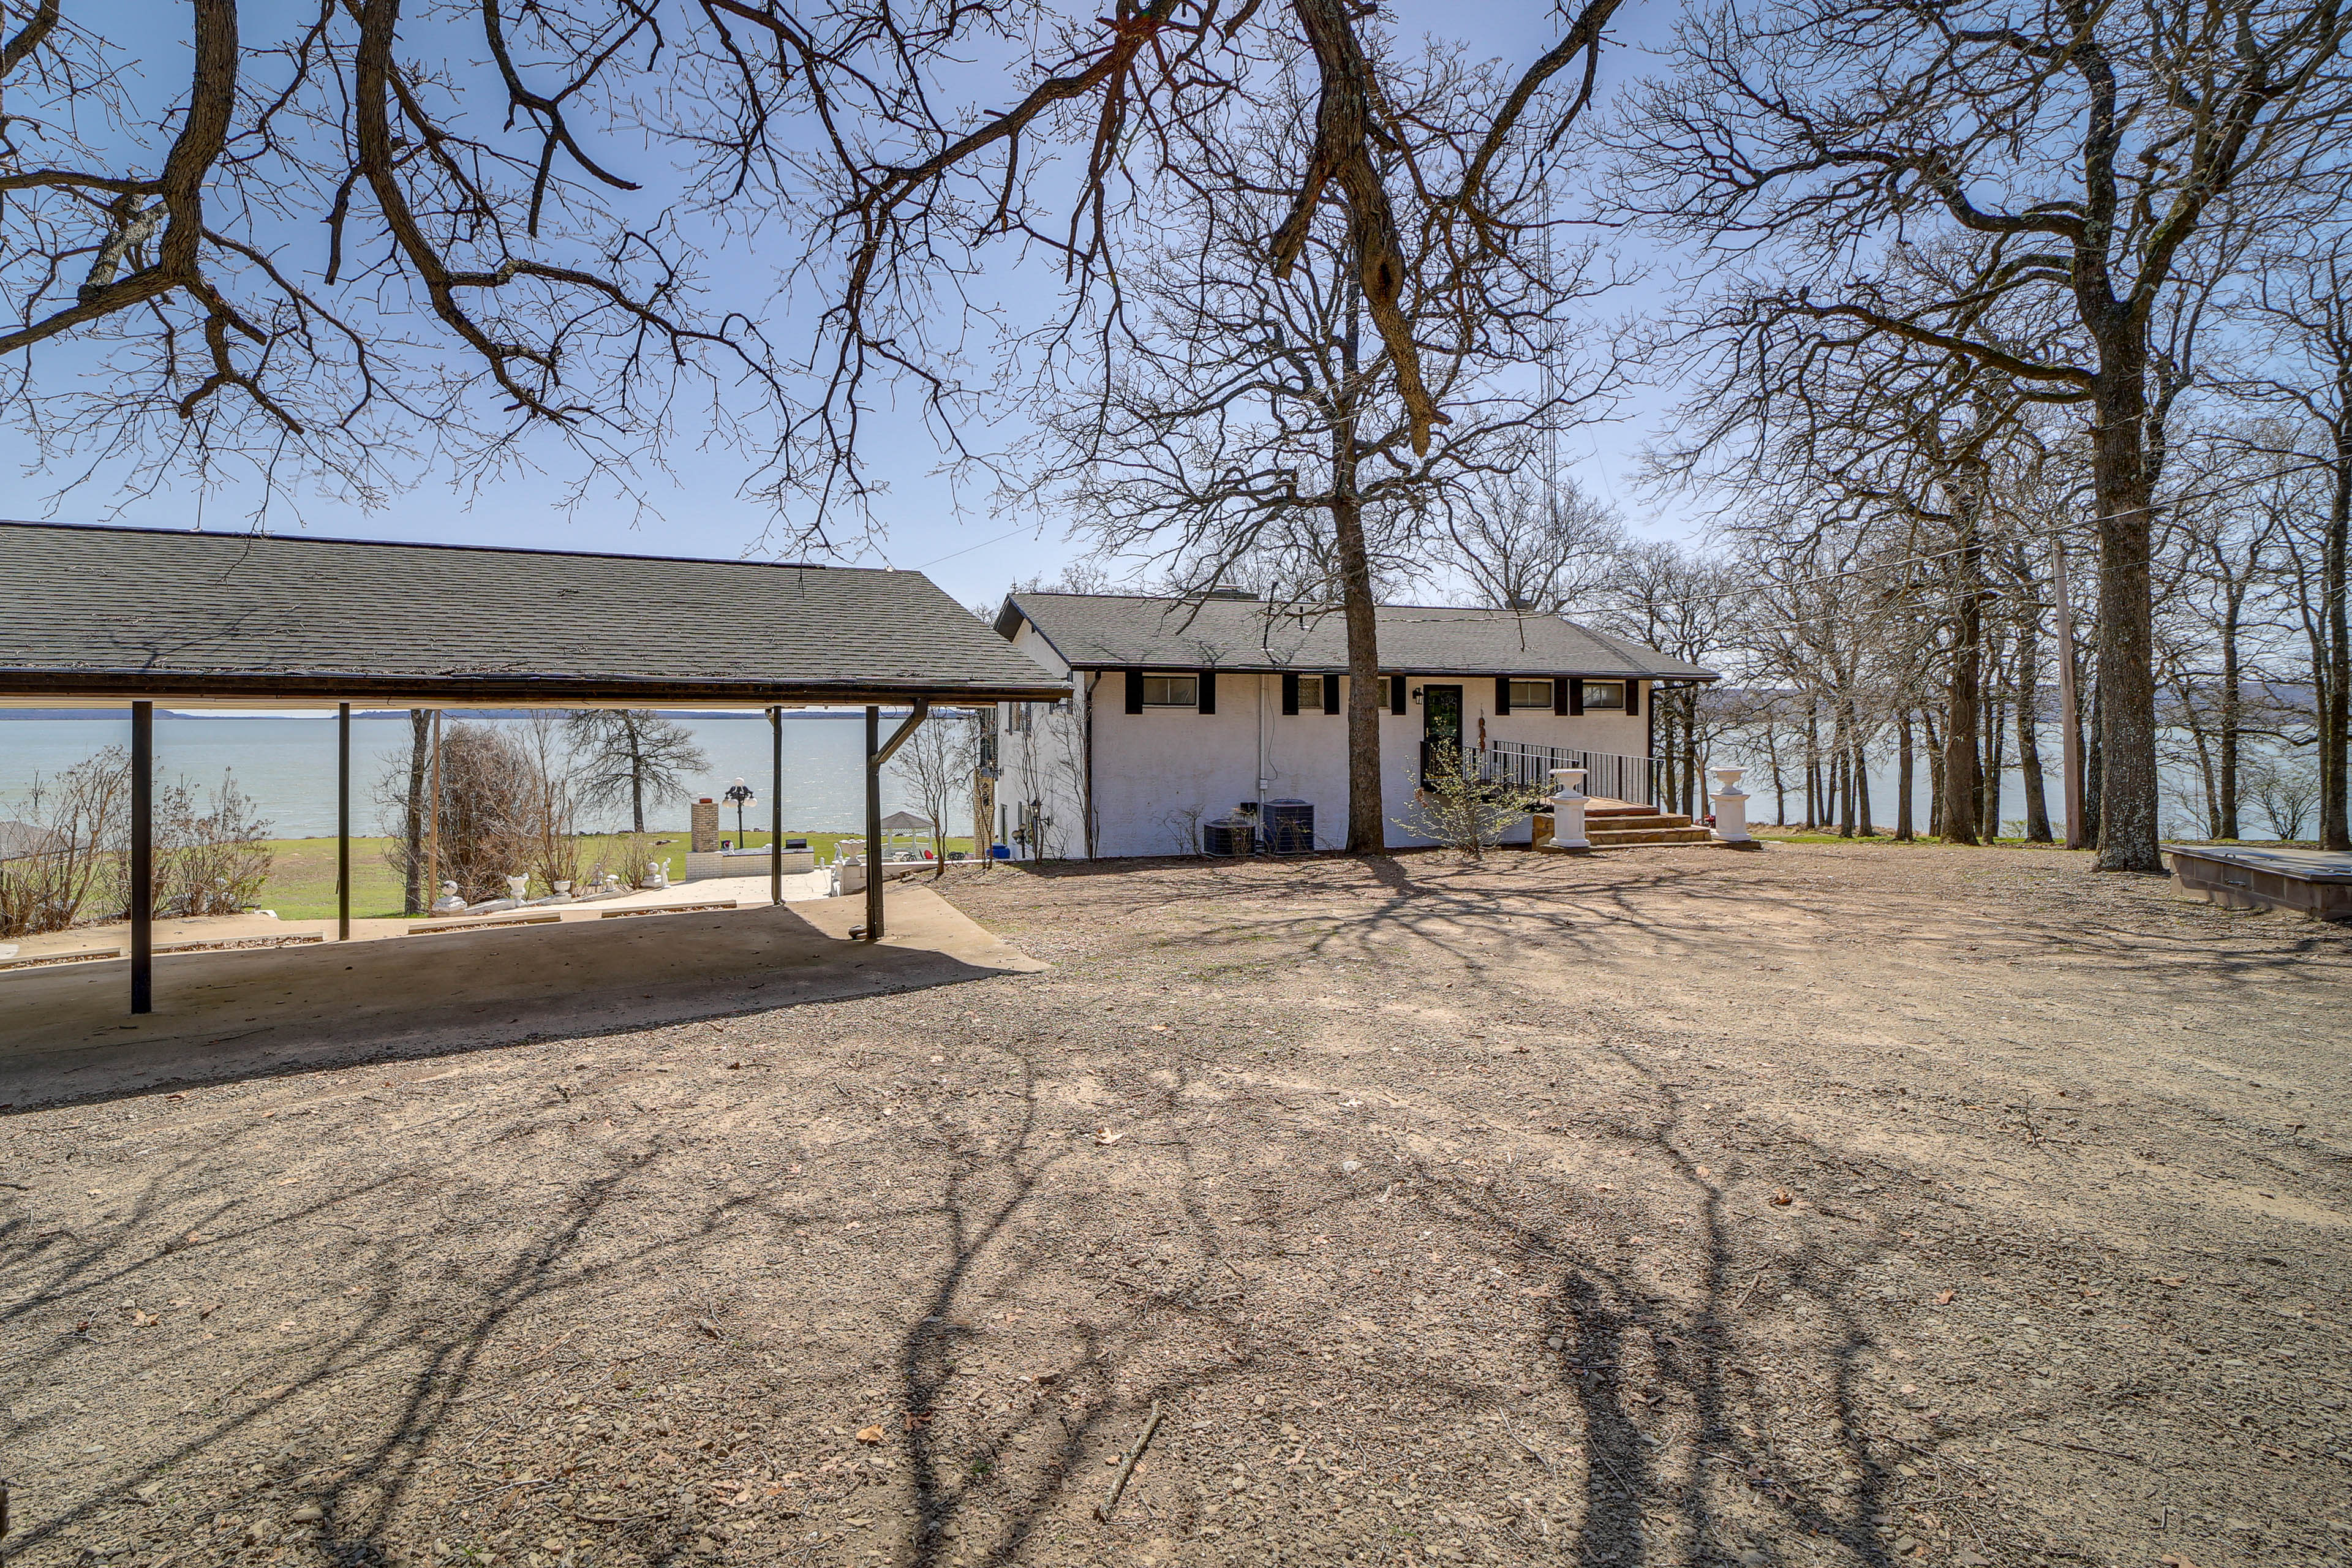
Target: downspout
1087 718
1264 741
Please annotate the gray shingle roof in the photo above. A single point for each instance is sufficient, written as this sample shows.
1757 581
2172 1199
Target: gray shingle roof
1120 630
130 612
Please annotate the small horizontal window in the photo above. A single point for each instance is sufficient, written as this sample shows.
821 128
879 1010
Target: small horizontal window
1310 694
1172 691
1532 694
1605 694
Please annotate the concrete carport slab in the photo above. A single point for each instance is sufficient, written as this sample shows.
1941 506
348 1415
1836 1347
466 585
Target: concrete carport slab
242 1013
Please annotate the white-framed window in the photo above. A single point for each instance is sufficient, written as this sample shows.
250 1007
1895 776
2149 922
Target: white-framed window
1533 695
1016 718
1310 694
1172 691
1605 694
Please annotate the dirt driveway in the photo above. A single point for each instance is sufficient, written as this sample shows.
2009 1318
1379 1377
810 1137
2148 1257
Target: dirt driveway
1826 1205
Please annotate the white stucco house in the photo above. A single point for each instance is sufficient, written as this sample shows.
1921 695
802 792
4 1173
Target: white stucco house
1183 713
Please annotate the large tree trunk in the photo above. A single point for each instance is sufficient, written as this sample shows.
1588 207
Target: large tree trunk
2095 771
420 733
1935 774
2029 719
2125 694
1962 699
2231 717
2335 685
1367 825
1996 738
1861 783
1903 768
636 776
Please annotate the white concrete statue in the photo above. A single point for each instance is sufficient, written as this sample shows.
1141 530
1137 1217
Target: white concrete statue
1568 801
449 903
1730 806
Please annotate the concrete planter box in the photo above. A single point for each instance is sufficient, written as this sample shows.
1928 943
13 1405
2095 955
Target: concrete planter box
702 865
2316 883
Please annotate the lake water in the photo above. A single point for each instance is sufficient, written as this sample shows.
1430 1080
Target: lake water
287 764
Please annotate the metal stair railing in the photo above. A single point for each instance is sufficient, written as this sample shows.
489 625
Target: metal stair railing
1637 781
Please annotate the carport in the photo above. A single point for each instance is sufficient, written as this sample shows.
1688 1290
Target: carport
104 616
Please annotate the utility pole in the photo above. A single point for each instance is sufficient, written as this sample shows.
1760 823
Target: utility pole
2070 720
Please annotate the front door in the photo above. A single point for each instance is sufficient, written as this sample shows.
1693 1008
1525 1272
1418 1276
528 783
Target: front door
1441 727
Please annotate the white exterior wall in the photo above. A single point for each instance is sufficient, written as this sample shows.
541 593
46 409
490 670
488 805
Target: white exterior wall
1161 773
1043 761
1400 741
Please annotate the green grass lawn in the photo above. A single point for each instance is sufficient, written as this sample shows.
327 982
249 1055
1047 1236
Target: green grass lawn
301 883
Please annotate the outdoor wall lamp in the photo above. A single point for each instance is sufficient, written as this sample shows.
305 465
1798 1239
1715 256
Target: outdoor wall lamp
1416 694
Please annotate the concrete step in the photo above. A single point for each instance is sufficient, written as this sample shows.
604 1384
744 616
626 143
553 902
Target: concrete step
1621 838
1642 819
1598 807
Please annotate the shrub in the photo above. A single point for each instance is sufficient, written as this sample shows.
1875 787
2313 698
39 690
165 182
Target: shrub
1464 811
79 818
208 855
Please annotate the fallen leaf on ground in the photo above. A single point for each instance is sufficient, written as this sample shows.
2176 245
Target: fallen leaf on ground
869 1434
1944 1299
1105 1135
1783 1197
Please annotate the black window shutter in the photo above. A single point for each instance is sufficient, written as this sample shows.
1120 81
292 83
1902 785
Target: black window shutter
1632 698
1207 691
1290 692
1135 691
1396 695
1502 695
1576 694
1559 697
1330 694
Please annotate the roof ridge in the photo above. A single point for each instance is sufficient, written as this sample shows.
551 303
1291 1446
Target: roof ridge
432 544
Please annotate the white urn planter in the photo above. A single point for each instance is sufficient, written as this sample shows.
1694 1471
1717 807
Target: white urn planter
1567 803
1730 806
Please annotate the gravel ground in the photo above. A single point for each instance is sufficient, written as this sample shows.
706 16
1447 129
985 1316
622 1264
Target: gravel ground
1828 1204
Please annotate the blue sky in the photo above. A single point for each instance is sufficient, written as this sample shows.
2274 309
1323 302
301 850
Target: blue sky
695 507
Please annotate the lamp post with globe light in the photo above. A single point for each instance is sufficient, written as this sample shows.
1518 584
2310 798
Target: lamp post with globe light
740 793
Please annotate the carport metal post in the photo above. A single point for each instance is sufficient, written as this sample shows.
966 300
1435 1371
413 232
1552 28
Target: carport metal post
876 754
342 822
142 858
776 807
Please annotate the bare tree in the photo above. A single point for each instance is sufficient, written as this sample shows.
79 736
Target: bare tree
1681 603
338 248
2302 305
2087 149
1526 546
936 764
1252 419
632 754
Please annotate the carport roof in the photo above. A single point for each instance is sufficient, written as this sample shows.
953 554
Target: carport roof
119 613
1110 631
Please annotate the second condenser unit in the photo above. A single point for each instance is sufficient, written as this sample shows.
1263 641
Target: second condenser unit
1290 826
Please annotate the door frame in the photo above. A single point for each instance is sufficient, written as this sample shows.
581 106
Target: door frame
1461 716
